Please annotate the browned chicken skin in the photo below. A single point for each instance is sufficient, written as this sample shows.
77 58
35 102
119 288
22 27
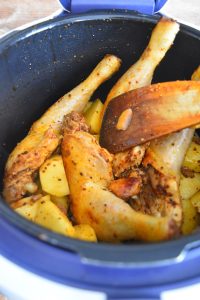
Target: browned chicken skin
22 172
128 160
74 122
89 172
45 134
125 188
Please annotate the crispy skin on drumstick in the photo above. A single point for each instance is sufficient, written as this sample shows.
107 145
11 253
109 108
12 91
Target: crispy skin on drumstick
140 74
39 141
21 175
89 171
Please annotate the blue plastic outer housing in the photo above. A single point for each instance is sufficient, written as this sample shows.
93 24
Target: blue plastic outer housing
119 283
142 6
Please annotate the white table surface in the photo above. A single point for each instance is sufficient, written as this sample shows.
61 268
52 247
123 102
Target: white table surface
185 11
17 283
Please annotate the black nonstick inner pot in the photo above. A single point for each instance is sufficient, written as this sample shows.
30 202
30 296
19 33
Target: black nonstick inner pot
41 63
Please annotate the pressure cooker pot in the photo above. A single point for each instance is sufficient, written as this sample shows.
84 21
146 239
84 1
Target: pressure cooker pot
37 66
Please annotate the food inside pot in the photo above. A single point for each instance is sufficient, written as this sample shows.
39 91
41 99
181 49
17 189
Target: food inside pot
60 176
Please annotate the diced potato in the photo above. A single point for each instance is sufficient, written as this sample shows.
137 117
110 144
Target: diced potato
22 202
53 178
26 207
85 232
192 157
195 200
190 217
61 202
50 216
93 116
189 186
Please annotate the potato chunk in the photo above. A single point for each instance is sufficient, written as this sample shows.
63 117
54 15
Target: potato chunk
61 202
47 213
51 217
190 217
93 116
195 200
85 232
189 185
192 158
53 178
26 207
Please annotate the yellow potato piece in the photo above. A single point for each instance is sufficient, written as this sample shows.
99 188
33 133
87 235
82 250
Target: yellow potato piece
22 202
190 217
195 200
51 217
26 207
61 202
93 116
189 186
85 232
192 158
53 178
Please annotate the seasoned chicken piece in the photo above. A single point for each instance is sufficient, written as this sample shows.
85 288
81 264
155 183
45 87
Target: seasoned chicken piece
89 172
126 188
44 135
147 202
165 157
128 160
166 190
20 175
74 122
139 75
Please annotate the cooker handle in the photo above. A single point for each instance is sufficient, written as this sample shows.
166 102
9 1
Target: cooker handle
142 6
134 298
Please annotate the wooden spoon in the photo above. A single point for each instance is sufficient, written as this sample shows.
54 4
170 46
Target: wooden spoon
150 112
